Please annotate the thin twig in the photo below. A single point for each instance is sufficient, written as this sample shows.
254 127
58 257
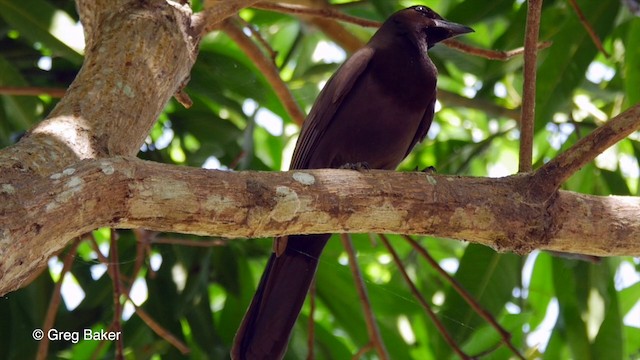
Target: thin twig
452 99
501 55
588 28
504 334
188 242
215 12
105 261
94 244
256 35
143 249
423 302
324 12
145 238
312 325
363 350
54 302
158 329
330 13
369 317
152 324
32 91
114 271
549 177
338 33
527 118
267 68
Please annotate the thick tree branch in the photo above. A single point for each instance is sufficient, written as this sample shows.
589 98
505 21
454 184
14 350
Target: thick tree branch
69 168
131 193
90 12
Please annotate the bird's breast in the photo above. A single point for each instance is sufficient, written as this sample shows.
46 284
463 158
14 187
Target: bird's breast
379 118
406 76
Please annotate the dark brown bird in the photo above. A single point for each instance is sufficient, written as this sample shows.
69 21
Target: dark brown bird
373 111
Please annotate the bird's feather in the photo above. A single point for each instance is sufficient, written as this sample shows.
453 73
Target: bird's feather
327 105
374 110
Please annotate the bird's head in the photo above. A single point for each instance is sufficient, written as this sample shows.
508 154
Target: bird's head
422 21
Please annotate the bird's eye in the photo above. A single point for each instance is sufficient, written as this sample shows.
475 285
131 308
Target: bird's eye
423 9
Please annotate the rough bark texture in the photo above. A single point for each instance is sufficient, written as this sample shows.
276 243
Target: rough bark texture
75 171
139 55
131 193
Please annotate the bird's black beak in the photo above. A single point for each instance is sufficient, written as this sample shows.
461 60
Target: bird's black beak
448 29
441 29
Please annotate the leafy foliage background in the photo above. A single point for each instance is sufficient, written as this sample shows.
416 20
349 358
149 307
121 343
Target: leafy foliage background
199 294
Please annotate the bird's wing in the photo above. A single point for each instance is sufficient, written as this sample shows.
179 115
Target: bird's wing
327 105
423 128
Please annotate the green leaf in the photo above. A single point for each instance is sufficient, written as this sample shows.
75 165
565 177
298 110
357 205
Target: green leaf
632 342
609 343
570 324
490 277
469 12
485 338
327 345
632 59
563 66
20 110
384 7
540 291
616 182
629 297
32 19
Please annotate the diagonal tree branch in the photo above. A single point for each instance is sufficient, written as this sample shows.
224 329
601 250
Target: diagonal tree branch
551 175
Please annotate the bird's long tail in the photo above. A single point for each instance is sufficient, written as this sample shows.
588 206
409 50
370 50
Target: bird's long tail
266 327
